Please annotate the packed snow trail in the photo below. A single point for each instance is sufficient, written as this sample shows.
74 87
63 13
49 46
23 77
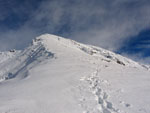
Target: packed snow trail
102 105
58 75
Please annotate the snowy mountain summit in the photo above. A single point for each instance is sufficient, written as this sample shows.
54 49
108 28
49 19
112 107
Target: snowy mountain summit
58 75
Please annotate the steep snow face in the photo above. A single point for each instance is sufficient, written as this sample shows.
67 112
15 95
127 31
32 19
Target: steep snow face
58 75
6 57
17 63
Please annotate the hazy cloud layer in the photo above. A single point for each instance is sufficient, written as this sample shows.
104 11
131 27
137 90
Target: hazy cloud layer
105 23
138 57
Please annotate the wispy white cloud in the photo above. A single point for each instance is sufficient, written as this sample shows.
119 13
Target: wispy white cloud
16 38
138 57
105 23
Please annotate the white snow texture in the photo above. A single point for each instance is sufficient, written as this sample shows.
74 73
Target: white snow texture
58 75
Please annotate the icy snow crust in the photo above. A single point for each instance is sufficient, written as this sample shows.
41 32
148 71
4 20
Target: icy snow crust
58 75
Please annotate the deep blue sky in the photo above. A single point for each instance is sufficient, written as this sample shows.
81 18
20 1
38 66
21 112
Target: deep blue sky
15 13
138 47
118 25
139 44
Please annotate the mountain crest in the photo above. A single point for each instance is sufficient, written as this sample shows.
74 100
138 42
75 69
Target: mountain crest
54 72
49 46
51 41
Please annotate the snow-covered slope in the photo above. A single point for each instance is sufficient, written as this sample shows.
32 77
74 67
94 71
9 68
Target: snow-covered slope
58 75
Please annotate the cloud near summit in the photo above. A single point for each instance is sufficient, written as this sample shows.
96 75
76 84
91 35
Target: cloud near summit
105 23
